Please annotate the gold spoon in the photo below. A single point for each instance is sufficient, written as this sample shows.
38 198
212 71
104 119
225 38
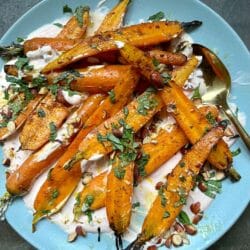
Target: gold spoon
218 81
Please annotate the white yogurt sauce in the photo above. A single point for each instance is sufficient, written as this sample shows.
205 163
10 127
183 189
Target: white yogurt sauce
144 193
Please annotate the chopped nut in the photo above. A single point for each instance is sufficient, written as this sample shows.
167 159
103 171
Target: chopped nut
159 241
220 175
152 248
178 227
195 207
6 162
87 177
117 132
202 186
60 97
197 218
11 126
43 91
190 229
72 237
159 185
168 242
80 231
177 240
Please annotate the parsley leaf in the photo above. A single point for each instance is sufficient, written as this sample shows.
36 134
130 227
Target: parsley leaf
166 77
112 96
67 9
211 118
166 214
196 94
141 163
136 204
162 196
146 102
19 39
59 25
236 152
119 172
157 16
183 218
21 62
41 113
79 14
89 201
53 131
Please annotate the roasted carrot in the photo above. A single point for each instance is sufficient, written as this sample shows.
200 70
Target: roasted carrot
38 128
5 132
20 181
172 196
139 35
118 197
185 112
107 108
181 74
193 124
60 44
11 69
75 30
113 20
98 79
168 58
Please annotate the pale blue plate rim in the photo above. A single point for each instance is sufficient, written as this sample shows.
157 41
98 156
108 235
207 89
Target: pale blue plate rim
38 242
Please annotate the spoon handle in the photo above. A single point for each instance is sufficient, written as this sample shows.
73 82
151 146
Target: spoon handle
242 132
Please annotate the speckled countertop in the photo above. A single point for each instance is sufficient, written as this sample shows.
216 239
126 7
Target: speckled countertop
236 13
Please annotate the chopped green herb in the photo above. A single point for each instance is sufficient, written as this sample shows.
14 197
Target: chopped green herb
6 94
53 131
49 174
141 163
79 14
89 201
41 113
166 214
157 17
213 187
67 77
155 62
67 9
39 81
125 112
162 196
93 46
182 164
54 195
11 51
182 178
211 118
54 88
78 199
183 218
146 102
166 77
236 152
112 96
45 211
89 214
182 198
21 62
196 94
119 172
19 39
135 205
59 25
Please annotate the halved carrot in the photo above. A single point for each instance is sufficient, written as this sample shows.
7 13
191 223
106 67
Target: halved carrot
139 35
172 196
108 107
97 79
20 181
21 118
37 129
113 20
73 30
119 196
60 44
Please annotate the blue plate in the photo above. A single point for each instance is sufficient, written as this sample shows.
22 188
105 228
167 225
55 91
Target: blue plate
216 34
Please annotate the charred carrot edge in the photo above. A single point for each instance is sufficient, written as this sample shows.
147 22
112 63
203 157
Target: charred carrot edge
73 30
118 198
36 130
172 195
139 35
21 118
168 143
113 20
108 107
20 181
60 44
181 74
167 57
193 124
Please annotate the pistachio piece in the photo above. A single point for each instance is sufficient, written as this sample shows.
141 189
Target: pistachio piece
177 240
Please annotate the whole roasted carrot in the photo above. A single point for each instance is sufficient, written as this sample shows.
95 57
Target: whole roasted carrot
139 35
110 106
75 30
20 181
172 196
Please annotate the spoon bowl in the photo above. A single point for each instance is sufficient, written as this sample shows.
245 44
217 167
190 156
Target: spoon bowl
218 82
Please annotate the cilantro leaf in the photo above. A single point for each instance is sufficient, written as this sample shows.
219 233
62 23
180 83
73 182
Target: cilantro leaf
112 96
67 9
157 16
236 152
196 94
53 131
183 218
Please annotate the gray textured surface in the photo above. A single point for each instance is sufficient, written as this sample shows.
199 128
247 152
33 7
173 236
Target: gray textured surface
236 13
